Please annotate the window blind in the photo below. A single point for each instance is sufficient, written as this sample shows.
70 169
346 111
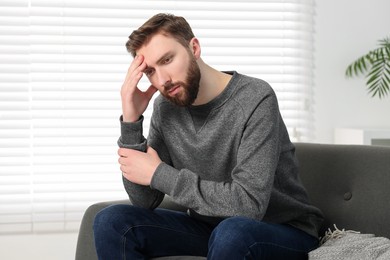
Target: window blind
62 63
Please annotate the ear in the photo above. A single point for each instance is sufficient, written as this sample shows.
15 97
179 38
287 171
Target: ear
195 47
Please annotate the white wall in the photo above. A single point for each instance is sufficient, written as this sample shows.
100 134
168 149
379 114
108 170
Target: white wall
346 30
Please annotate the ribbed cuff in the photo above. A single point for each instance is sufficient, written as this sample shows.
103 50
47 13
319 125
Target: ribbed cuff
164 178
131 133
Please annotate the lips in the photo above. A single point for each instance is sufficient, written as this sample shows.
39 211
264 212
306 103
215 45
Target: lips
173 90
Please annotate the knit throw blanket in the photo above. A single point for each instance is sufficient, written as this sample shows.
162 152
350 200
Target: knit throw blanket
351 245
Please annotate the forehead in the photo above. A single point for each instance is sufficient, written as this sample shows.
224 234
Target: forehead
157 46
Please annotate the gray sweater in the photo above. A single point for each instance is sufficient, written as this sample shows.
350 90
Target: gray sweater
240 162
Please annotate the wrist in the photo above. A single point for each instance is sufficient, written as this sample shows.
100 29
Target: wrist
130 119
132 134
129 113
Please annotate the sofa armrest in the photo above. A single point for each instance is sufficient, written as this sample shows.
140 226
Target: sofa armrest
85 249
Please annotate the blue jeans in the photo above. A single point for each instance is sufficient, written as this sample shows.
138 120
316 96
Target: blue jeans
129 232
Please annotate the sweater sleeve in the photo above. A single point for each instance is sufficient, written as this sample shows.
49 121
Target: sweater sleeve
132 138
248 191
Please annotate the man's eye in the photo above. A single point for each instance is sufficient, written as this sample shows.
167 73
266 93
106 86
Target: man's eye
167 60
148 72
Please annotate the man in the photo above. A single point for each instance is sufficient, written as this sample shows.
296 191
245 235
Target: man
218 146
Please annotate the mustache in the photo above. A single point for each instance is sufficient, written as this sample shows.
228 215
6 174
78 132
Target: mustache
169 85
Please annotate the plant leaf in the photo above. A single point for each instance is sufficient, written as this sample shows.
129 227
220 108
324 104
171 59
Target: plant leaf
376 66
377 82
358 67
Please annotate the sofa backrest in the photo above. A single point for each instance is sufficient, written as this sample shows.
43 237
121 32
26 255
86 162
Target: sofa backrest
349 183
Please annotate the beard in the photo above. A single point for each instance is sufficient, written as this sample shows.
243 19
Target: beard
190 87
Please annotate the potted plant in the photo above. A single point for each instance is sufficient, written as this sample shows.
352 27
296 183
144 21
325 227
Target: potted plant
375 65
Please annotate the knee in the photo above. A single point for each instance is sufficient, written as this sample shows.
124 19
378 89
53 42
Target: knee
120 218
106 215
230 239
231 234
109 218
232 230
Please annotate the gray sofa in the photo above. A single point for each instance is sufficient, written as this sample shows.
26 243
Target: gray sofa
349 183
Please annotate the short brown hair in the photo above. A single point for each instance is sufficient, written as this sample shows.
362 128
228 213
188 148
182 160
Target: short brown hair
174 26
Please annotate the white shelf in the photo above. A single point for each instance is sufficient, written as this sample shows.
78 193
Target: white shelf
362 136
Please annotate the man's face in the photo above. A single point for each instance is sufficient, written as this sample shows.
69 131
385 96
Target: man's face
172 69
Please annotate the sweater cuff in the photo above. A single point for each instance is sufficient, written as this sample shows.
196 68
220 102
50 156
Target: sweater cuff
131 135
164 178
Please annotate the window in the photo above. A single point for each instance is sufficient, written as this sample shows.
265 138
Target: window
62 63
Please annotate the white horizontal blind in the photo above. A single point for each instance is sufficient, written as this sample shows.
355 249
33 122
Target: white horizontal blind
62 63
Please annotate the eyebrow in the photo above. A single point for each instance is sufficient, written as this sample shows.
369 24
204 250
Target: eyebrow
160 60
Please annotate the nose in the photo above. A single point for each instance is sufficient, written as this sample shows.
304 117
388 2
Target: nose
162 77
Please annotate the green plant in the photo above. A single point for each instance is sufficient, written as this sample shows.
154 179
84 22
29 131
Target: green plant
376 65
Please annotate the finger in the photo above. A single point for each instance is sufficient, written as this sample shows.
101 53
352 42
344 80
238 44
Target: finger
135 71
137 61
127 152
120 160
150 91
123 152
150 150
138 72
